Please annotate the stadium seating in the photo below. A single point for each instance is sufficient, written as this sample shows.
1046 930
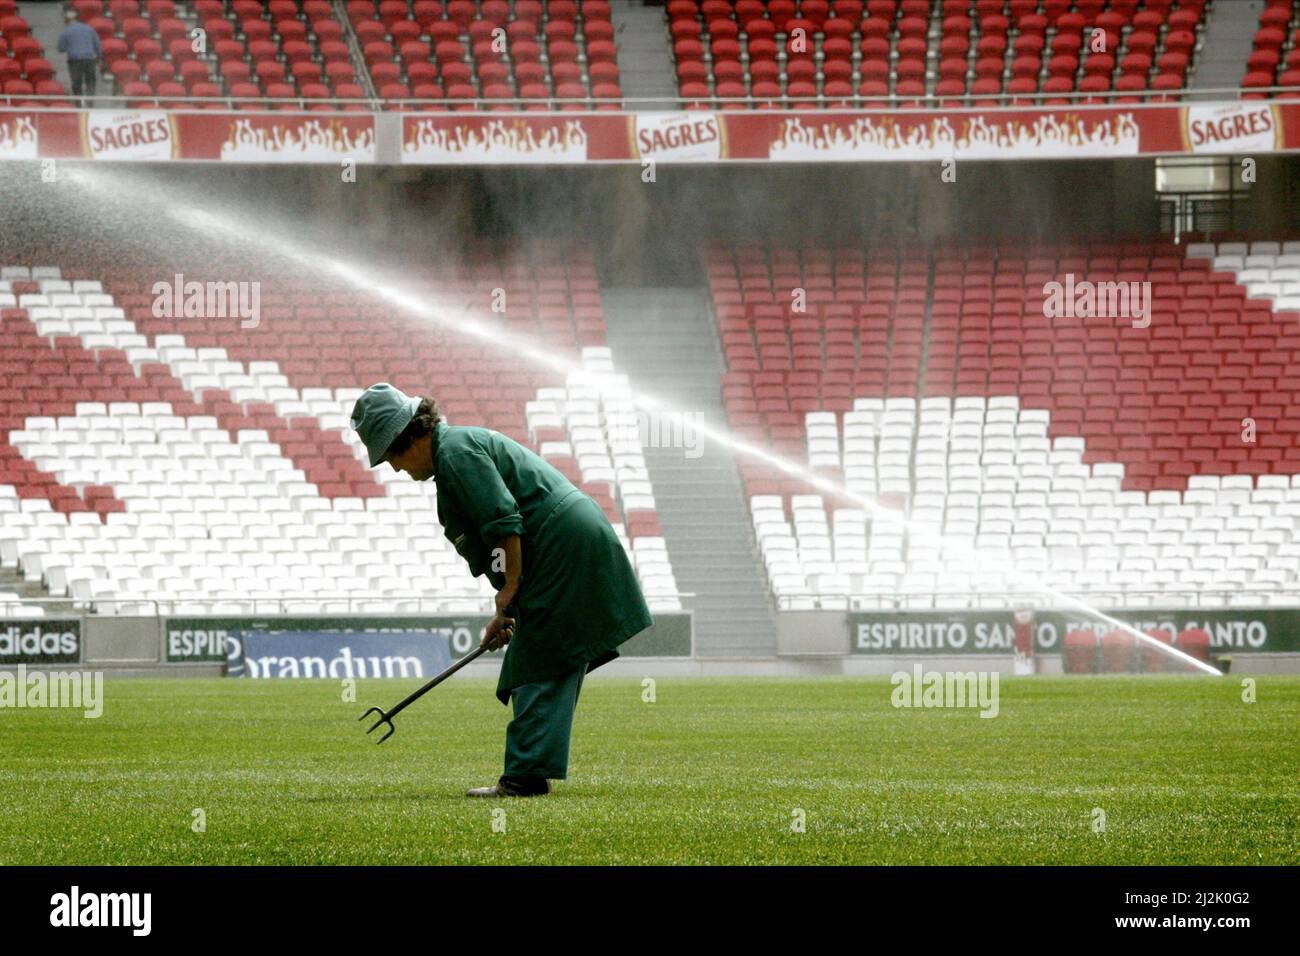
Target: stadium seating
25 73
456 53
970 52
444 54
1104 459
986 442
197 463
290 51
1275 53
511 54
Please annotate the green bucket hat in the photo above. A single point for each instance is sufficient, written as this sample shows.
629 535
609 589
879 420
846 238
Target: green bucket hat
379 416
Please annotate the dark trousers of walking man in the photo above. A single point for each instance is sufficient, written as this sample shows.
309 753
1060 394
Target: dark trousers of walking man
84 74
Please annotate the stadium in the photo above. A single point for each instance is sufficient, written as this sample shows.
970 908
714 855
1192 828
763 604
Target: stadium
930 367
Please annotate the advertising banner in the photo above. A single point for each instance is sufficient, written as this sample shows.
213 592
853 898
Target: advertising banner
337 654
1254 126
442 137
46 640
869 135
263 646
671 635
1231 630
321 646
279 138
129 135
696 135
18 136
157 135
263 138
1012 135
485 138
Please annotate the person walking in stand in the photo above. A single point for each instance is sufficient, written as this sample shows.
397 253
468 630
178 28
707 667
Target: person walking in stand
81 43
567 596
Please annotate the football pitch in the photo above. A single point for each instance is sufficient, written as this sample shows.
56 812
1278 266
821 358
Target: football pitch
1101 770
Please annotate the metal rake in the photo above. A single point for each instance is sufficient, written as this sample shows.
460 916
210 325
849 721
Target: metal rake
386 717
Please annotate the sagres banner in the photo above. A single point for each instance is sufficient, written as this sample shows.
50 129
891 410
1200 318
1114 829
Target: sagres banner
1231 630
18 136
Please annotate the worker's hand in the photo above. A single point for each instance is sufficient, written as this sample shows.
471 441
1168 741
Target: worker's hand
498 633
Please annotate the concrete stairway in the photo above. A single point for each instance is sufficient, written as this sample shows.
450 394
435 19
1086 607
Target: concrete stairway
1230 27
11 582
364 79
645 54
46 21
667 343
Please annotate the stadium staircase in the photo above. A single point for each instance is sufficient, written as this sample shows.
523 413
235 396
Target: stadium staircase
644 55
1225 44
12 582
657 337
354 44
46 22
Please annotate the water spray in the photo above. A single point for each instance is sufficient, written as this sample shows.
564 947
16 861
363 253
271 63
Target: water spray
459 319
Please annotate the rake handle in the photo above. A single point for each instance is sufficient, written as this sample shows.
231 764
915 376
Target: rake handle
416 695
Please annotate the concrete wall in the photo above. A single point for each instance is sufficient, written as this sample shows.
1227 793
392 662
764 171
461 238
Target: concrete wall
121 640
811 634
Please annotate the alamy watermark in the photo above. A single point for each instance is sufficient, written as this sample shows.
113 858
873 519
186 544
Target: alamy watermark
946 689
208 300
1098 300
81 690
75 908
663 430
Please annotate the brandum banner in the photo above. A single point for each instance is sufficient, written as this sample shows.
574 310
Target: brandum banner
398 646
337 654
1231 630
213 639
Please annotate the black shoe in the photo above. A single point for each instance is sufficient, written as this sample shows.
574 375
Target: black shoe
513 787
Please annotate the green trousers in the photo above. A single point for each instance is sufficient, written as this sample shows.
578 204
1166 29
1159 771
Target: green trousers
537 740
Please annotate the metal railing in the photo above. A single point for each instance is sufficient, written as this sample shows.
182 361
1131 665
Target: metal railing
1103 601
1203 212
340 604
398 606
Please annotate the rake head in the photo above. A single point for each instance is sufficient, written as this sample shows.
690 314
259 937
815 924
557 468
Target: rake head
386 716
383 719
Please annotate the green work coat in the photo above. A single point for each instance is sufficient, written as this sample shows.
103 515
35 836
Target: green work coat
578 596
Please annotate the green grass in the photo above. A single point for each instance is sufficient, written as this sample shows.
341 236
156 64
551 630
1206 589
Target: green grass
710 773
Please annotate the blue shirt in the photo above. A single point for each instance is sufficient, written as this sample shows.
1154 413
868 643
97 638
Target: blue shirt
80 42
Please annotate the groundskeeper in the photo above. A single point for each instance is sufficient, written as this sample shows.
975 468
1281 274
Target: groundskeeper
567 595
